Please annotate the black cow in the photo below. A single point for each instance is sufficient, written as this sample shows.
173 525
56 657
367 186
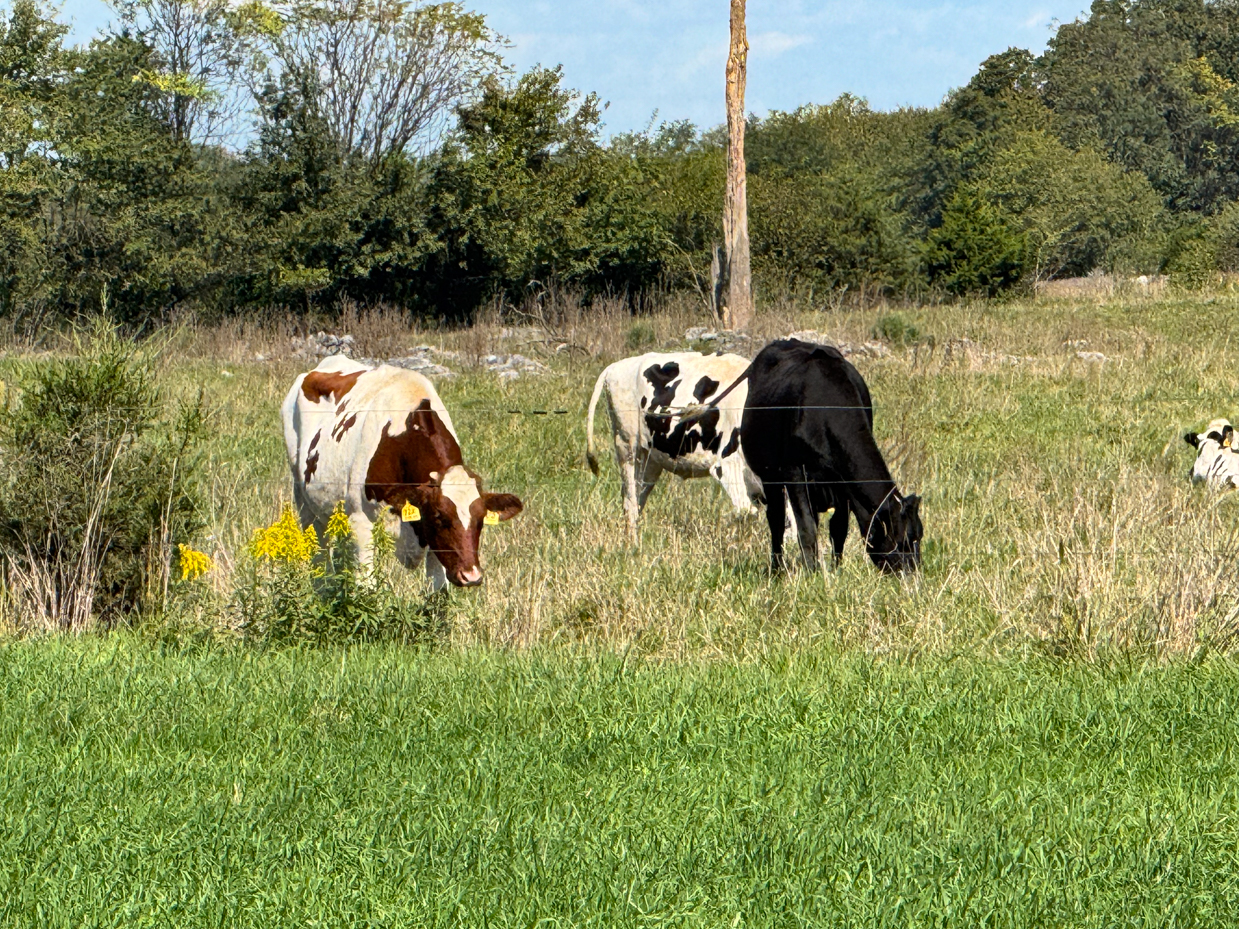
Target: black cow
808 431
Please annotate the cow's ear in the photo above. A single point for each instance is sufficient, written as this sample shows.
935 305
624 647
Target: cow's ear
504 505
422 494
1192 439
911 506
1228 436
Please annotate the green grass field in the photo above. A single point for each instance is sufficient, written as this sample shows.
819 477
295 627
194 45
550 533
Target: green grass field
1038 729
385 787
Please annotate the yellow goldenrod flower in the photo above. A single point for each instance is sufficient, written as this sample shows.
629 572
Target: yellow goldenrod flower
338 525
285 541
194 564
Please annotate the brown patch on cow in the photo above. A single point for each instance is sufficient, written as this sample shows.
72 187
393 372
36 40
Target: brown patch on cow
342 427
401 472
404 462
311 458
319 384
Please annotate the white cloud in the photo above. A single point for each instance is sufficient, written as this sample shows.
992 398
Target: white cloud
1040 18
774 44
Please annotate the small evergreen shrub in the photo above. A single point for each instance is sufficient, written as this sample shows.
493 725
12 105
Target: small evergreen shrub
897 330
98 485
975 250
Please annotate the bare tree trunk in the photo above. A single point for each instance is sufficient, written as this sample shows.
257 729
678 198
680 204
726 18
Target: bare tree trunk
736 207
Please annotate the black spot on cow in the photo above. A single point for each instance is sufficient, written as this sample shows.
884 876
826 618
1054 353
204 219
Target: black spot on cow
686 437
705 387
643 402
732 444
660 378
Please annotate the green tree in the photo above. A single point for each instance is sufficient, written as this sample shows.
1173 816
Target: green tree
523 192
1076 211
975 250
1150 83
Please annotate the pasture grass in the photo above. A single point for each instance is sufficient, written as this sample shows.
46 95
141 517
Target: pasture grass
380 786
1058 514
1038 730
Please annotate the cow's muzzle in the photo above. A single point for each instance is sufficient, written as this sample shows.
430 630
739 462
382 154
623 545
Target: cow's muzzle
469 577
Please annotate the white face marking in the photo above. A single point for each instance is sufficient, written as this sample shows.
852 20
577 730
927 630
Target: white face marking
461 488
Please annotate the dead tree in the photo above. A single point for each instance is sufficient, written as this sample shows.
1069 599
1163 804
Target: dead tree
737 269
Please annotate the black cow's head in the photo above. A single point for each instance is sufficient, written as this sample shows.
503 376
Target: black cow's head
894 536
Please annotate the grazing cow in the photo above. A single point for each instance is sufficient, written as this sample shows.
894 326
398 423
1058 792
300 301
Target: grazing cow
807 431
381 440
645 397
1217 461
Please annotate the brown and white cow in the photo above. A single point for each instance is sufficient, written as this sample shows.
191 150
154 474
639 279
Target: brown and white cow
381 440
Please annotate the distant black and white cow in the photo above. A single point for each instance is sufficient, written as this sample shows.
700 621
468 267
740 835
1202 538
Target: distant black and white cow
807 432
381 440
1217 461
645 397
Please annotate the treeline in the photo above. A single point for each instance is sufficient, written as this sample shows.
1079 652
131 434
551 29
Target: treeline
233 156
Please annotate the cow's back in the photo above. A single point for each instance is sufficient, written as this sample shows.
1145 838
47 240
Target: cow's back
808 409
334 420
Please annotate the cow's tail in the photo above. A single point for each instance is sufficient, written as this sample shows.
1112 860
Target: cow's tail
695 412
590 457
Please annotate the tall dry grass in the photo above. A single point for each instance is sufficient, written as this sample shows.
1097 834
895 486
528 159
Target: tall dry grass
1045 436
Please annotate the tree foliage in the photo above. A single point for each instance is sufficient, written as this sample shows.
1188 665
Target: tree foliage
232 155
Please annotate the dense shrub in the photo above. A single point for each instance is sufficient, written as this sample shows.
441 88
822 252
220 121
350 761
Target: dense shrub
1076 211
98 483
975 250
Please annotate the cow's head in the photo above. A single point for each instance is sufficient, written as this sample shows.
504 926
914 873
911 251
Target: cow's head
452 508
894 535
419 468
1217 438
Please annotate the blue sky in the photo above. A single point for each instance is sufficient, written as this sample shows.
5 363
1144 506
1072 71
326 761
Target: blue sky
669 55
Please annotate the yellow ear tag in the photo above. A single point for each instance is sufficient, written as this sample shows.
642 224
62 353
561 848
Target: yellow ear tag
492 518
1226 444
410 513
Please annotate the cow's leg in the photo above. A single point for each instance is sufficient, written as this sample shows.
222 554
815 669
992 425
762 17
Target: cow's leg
647 474
730 472
363 537
302 501
806 522
628 490
434 571
776 519
839 520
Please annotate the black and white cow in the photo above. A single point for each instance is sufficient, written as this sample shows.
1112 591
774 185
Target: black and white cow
807 432
645 397
1217 461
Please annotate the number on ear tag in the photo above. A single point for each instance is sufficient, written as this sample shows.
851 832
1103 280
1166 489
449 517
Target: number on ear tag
410 513
492 518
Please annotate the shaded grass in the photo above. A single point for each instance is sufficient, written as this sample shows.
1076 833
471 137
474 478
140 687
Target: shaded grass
473 787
